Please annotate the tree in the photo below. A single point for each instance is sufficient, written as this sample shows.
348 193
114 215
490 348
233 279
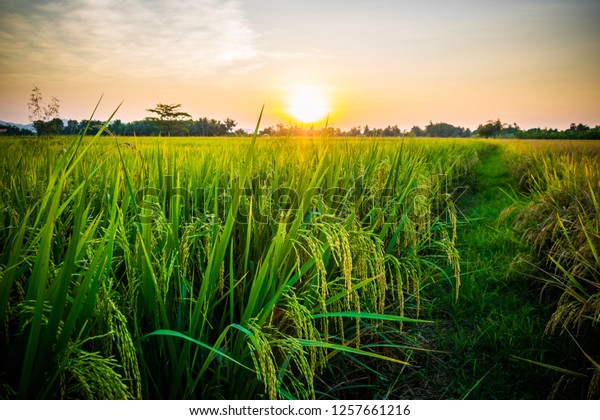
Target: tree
11 130
579 127
44 117
443 129
240 132
117 127
170 118
229 124
55 126
354 132
486 130
417 131
72 127
390 131
267 131
490 129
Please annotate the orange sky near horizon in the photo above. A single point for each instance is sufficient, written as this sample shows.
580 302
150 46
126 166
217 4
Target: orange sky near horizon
380 62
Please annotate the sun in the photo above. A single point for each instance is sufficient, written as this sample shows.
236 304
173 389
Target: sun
308 105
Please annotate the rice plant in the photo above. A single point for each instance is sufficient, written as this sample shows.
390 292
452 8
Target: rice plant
561 222
228 268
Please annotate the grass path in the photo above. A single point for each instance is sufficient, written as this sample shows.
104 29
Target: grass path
496 316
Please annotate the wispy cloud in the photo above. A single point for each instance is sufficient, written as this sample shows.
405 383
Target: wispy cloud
131 38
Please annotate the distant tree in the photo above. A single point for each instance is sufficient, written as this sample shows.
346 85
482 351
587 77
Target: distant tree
283 131
117 127
486 130
55 126
169 118
240 132
209 127
443 129
90 127
11 130
390 131
498 126
354 132
490 129
509 130
267 131
578 127
417 131
44 116
229 124
331 132
575 131
169 112
72 127
142 128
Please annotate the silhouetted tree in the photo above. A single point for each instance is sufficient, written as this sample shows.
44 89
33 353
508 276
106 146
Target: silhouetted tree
417 131
490 129
354 132
169 118
229 124
72 127
443 129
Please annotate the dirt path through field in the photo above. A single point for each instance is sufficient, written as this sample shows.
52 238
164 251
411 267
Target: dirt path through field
496 315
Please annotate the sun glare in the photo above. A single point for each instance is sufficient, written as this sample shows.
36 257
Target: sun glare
308 105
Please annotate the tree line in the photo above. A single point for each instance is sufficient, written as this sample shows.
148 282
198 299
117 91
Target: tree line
202 127
170 120
167 119
209 127
575 131
440 129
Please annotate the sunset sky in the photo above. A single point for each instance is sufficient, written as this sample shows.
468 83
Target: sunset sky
377 62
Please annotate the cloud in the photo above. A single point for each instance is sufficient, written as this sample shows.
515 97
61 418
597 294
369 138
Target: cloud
129 38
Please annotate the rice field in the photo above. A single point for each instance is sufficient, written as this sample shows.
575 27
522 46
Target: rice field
560 221
232 268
